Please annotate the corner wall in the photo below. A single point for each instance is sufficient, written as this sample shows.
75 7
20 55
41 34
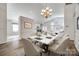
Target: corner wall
3 23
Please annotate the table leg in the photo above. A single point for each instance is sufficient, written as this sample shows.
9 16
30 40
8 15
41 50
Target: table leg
45 47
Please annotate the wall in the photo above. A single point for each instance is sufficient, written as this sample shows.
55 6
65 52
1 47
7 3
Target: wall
9 27
3 23
24 32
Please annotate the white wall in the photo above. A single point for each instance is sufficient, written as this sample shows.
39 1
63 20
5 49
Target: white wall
24 33
3 23
9 27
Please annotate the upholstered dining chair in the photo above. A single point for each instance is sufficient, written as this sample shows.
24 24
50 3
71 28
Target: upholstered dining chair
30 49
58 48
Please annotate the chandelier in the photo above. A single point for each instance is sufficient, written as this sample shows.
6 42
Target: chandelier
46 12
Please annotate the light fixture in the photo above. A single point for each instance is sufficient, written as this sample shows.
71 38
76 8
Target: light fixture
46 12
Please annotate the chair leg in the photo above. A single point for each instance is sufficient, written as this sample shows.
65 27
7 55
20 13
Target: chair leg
48 53
41 54
25 55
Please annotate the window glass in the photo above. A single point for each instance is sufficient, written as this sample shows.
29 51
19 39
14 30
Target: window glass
57 25
15 27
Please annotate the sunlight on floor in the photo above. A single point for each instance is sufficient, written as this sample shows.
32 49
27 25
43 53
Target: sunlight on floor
11 38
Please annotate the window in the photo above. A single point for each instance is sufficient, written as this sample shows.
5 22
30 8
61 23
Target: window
57 25
15 27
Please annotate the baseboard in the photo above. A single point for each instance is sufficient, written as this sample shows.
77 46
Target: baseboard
3 42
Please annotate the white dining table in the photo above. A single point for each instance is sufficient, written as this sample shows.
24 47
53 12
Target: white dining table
44 39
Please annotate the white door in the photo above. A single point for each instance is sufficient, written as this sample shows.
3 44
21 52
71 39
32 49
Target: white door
69 20
76 30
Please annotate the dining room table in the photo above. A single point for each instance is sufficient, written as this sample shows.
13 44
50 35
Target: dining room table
43 39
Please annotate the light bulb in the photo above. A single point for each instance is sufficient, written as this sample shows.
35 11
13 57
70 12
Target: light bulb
43 10
41 13
50 10
47 8
46 12
50 14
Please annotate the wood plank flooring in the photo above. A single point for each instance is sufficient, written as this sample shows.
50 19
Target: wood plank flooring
15 48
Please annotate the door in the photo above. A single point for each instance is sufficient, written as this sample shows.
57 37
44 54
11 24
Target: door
76 29
69 20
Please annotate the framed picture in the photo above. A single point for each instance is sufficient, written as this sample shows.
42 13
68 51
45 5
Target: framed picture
78 22
27 25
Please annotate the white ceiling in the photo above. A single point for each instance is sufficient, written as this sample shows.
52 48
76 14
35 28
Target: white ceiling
32 10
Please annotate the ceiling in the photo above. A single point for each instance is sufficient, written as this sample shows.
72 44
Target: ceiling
32 10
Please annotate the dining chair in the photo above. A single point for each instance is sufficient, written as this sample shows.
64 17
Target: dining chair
57 39
60 35
30 49
60 46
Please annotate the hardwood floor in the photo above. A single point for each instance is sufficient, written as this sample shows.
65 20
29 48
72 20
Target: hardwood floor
14 48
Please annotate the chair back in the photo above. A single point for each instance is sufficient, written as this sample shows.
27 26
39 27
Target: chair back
29 48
